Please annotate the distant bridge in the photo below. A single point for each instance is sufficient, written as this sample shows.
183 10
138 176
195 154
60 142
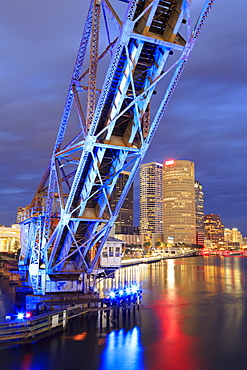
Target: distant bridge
223 253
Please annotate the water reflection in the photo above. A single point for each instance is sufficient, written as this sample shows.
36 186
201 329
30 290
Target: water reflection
170 273
193 317
123 350
27 362
7 295
123 278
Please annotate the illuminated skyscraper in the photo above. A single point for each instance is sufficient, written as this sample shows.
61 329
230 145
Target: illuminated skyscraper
214 230
124 222
179 202
199 208
151 212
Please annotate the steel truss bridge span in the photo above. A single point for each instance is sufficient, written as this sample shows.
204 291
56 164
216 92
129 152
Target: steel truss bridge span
131 56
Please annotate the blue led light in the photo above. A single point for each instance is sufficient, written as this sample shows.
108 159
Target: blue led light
112 294
134 289
20 316
128 291
121 292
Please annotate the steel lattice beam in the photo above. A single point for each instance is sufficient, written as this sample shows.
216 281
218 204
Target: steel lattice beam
117 116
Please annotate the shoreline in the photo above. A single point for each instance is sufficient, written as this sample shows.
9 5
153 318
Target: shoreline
146 260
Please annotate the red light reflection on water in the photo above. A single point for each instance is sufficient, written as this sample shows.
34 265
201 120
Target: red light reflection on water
27 361
173 348
80 336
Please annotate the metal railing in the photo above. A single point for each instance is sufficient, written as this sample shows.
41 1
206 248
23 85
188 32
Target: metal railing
20 332
31 212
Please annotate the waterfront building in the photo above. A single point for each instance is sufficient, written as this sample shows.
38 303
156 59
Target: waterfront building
244 242
233 237
199 209
179 202
207 244
151 209
9 238
124 221
214 230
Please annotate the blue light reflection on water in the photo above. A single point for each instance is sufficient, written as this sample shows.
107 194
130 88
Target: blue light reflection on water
123 350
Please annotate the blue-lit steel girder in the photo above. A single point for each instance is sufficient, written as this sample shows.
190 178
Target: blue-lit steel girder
117 117
35 256
93 63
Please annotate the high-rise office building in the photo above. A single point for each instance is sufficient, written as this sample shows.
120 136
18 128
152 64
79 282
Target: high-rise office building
214 230
124 221
151 209
179 202
199 209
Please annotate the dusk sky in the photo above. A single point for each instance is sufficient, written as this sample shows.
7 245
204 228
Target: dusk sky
205 121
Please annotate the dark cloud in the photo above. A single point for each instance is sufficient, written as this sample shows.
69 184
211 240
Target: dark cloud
205 121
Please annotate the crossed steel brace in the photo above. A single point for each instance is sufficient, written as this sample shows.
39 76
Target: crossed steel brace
106 128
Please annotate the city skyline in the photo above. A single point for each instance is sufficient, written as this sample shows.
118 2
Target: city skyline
204 122
137 200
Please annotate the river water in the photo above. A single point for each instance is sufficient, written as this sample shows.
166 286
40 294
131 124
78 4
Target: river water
193 317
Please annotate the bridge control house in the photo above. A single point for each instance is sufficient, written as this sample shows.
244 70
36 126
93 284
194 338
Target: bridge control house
111 254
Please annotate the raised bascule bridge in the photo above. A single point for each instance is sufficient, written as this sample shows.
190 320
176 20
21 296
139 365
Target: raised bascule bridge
130 59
